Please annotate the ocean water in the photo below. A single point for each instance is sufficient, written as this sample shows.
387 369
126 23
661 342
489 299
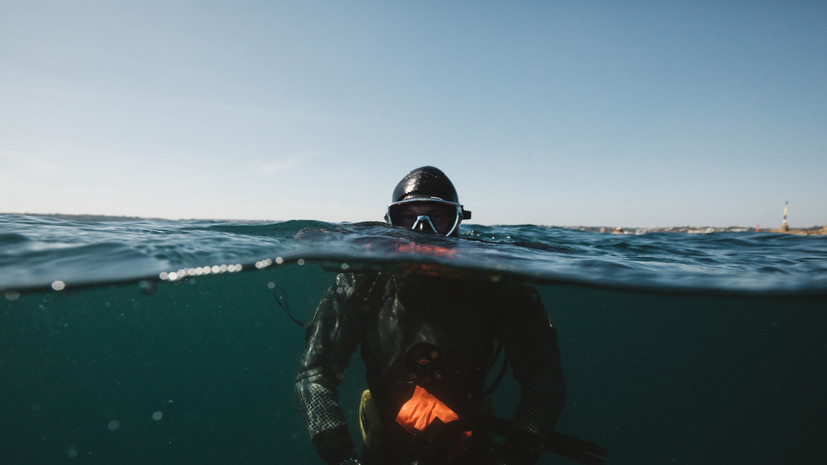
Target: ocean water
149 341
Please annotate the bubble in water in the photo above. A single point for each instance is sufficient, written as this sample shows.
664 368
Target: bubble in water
12 295
72 452
113 425
157 415
58 285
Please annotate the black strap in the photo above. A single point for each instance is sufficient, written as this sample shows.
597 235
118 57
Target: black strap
281 300
500 375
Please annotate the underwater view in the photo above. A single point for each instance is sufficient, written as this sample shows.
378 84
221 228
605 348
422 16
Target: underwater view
174 342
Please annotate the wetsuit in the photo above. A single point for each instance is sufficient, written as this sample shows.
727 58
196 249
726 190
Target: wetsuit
393 316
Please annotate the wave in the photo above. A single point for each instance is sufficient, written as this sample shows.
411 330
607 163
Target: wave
37 251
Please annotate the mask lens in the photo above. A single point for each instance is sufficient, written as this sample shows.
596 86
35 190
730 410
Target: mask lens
442 215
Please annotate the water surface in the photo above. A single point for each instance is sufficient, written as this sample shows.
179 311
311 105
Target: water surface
165 344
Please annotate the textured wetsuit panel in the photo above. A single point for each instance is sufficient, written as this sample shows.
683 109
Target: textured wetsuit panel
319 406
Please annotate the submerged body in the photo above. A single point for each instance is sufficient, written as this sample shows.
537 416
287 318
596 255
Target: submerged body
421 334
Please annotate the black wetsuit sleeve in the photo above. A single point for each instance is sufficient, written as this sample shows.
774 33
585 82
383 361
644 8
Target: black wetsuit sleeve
331 339
530 342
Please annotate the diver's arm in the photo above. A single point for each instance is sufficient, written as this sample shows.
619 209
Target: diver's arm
531 347
330 341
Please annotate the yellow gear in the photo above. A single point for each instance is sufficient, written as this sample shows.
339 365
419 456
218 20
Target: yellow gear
369 422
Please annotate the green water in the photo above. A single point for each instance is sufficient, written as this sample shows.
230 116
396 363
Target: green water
200 371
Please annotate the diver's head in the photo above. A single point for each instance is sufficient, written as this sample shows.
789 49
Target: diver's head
425 200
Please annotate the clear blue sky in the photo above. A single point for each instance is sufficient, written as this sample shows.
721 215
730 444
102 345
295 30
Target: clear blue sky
555 113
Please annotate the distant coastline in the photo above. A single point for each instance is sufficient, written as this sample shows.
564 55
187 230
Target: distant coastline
811 231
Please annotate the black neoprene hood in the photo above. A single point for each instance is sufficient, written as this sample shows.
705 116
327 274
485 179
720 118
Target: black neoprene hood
426 181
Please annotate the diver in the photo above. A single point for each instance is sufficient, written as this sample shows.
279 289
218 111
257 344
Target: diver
428 343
